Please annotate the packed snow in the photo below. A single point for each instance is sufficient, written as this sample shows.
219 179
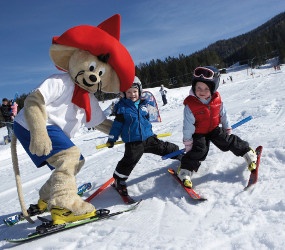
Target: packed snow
167 218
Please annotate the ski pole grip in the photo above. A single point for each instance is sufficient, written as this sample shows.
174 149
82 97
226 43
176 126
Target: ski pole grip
121 142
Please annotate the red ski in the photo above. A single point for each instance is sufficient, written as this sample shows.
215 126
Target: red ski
254 174
100 189
126 198
192 193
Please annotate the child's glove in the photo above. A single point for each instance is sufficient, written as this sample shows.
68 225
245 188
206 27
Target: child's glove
188 145
110 144
229 131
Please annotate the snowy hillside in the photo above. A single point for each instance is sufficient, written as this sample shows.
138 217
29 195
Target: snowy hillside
167 219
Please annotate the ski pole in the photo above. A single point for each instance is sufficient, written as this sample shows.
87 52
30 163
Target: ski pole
7 122
175 153
121 142
181 151
242 122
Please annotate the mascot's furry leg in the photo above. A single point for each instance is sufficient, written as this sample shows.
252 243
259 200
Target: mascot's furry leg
63 189
45 190
60 189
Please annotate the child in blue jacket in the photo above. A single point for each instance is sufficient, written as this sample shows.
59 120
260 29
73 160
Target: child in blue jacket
133 125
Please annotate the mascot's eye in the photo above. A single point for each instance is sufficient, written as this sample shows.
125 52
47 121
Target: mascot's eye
92 66
101 71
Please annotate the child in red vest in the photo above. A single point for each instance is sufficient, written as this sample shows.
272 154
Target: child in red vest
203 113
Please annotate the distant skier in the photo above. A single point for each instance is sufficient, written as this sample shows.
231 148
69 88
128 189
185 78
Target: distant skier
14 109
163 94
8 117
203 112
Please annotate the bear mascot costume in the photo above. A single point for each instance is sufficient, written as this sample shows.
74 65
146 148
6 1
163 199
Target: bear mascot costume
93 60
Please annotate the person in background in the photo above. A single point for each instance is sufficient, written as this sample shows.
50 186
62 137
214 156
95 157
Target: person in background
14 109
7 117
163 94
204 111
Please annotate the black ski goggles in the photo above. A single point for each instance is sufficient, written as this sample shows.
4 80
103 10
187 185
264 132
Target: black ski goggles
206 73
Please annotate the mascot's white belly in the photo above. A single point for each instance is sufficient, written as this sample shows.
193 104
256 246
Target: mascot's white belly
57 91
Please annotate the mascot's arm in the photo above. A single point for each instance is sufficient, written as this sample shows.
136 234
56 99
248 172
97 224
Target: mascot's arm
105 126
36 116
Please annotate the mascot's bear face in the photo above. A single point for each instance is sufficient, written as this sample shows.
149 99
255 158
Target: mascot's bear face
94 57
93 73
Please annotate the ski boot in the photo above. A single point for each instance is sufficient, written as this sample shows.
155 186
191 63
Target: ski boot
121 187
250 158
61 215
39 208
185 176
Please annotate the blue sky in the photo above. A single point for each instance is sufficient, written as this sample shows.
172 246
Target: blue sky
150 29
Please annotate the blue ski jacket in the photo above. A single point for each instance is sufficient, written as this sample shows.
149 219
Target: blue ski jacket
131 122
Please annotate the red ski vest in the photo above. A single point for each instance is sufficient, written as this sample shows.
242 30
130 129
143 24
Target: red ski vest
207 116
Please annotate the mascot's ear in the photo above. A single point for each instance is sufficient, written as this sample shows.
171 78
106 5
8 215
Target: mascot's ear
60 55
112 26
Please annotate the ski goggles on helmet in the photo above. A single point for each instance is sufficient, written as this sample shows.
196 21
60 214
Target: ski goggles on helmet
204 72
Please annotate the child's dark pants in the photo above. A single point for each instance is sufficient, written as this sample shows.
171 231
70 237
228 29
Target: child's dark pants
201 144
135 150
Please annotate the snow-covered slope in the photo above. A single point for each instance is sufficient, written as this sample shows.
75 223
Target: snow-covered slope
167 218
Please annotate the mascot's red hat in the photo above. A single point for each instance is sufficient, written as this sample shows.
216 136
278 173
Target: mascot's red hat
100 40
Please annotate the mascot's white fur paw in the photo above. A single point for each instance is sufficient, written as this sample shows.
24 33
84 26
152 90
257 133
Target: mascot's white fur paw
40 144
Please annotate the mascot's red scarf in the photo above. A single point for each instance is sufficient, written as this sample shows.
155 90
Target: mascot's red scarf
81 99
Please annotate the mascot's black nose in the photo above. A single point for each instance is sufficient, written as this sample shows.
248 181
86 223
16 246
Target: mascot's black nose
93 78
